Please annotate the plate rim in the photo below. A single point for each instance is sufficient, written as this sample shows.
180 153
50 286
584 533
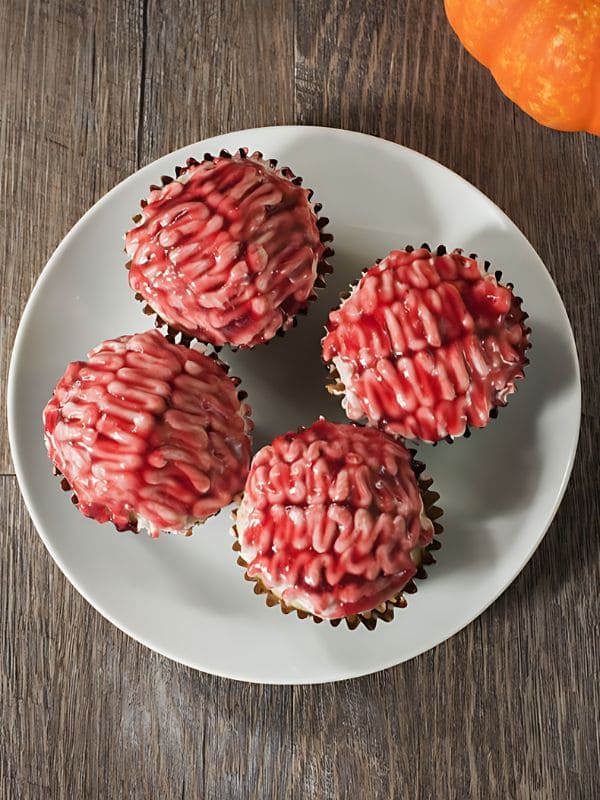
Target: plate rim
20 472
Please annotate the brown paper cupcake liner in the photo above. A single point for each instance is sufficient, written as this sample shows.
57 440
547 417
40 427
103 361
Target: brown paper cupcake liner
384 612
132 528
335 386
323 266
246 411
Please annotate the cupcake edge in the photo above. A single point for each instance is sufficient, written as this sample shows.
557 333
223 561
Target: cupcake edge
384 612
336 387
324 268
246 413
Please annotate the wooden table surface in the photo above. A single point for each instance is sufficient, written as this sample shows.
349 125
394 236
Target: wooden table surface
508 708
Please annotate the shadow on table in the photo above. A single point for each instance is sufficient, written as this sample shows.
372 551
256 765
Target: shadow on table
496 468
572 546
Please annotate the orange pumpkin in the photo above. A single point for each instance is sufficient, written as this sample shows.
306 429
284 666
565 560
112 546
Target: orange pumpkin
544 54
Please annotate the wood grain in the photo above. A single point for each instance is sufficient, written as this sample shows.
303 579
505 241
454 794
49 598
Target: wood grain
214 67
67 134
508 707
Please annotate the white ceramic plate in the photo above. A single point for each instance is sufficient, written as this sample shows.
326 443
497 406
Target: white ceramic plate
186 598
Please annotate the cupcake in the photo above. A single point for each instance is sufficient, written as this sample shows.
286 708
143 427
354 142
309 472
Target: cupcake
426 345
148 434
229 252
335 523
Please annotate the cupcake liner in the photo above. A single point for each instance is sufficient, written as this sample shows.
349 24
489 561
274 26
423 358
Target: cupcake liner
334 384
384 612
246 411
323 266
133 526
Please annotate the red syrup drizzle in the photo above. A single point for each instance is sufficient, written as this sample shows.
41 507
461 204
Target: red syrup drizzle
430 345
148 429
228 253
329 518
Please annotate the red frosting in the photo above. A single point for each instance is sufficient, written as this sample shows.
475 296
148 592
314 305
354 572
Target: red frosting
227 253
148 432
329 519
427 344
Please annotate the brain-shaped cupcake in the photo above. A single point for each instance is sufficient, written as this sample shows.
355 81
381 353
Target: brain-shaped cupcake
426 345
229 252
148 434
332 520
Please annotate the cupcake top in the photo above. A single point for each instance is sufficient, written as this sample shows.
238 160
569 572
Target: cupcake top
228 252
427 344
148 434
332 521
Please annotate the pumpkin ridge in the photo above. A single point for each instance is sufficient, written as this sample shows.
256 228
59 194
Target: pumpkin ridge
484 46
543 54
593 121
510 27
569 104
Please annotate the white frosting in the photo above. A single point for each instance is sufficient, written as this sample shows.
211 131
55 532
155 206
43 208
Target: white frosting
144 524
282 590
350 402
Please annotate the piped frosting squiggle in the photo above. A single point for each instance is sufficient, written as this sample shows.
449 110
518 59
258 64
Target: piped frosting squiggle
227 253
146 430
427 344
332 520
